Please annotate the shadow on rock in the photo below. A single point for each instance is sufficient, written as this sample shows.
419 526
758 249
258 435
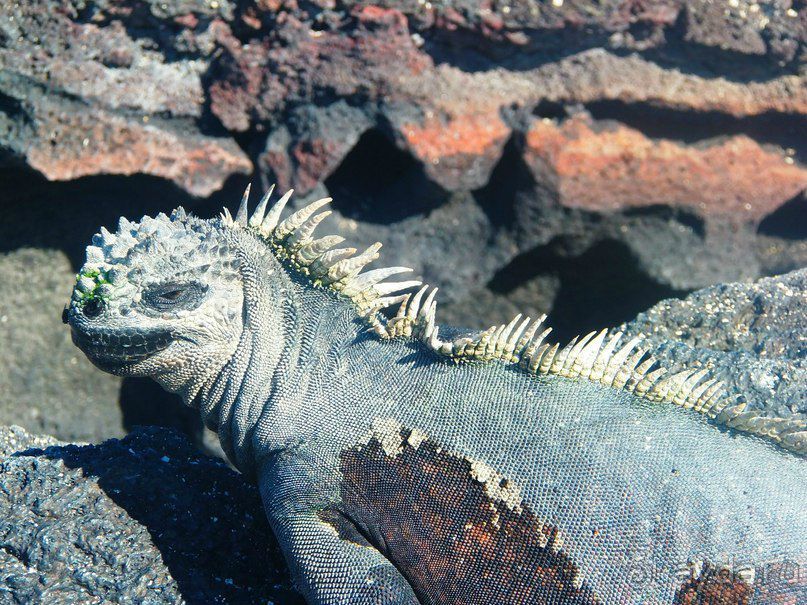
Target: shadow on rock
145 518
144 402
601 287
65 215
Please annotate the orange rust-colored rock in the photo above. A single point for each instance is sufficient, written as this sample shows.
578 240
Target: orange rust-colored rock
616 168
72 146
465 134
461 150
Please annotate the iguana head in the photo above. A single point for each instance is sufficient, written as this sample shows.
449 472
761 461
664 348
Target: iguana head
177 297
162 297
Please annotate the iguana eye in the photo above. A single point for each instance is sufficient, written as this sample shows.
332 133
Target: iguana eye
174 296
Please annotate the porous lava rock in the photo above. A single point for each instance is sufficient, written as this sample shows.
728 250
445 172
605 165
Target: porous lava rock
82 93
749 335
144 519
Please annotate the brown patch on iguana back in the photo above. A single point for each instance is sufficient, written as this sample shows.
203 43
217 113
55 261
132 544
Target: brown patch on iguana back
456 530
780 583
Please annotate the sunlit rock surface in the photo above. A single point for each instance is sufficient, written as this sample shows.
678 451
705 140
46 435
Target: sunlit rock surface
586 159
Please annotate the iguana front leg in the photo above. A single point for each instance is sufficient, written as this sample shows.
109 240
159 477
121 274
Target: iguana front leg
329 558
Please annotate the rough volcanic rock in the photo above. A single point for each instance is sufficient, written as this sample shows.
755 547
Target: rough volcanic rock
16 439
83 95
644 128
619 168
167 88
733 31
141 520
581 158
750 334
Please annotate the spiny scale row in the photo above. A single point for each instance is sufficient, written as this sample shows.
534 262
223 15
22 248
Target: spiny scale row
338 268
594 357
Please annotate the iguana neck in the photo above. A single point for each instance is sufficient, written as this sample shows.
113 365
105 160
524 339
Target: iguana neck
290 334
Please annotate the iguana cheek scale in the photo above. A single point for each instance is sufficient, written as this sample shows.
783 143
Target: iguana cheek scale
402 462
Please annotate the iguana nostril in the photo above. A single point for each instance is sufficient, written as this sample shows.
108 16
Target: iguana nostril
64 314
93 308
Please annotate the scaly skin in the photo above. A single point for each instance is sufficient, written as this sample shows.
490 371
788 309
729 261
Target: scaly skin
392 473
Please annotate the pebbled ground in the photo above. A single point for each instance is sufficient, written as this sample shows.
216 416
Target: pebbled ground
144 519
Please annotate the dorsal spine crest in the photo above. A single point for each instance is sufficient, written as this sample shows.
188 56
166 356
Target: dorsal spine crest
596 357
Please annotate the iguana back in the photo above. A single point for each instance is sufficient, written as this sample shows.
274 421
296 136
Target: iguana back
549 489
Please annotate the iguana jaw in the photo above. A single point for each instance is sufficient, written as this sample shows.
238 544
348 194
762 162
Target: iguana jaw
122 352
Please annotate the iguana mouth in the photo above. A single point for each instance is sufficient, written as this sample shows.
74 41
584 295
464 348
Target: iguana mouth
111 349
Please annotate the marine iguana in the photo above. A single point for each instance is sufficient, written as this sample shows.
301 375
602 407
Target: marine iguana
401 465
